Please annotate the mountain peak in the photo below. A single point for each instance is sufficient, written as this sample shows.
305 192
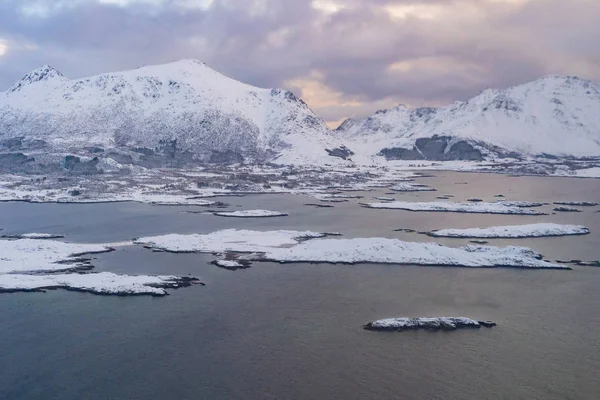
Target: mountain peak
43 73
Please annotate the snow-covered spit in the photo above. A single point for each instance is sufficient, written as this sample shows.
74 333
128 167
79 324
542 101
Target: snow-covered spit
228 240
292 247
28 265
435 323
464 207
31 255
513 231
105 283
250 214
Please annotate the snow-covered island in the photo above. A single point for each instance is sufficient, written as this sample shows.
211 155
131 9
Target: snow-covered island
104 283
250 214
32 255
232 265
293 247
576 203
566 209
513 231
435 324
34 265
465 207
411 187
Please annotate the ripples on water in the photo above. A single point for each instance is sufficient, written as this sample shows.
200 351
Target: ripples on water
294 331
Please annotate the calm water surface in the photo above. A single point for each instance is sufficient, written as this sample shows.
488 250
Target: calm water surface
294 331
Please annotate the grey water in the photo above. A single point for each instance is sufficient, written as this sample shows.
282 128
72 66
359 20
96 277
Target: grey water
295 331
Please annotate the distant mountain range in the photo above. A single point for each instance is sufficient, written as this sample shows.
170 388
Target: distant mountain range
161 115
184 112
553 116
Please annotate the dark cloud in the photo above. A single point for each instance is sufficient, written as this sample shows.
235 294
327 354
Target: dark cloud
359 58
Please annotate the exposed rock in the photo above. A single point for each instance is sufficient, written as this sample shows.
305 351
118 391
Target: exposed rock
434 324
342 152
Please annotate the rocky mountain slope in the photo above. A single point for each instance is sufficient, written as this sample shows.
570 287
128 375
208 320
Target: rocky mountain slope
160 115
553 116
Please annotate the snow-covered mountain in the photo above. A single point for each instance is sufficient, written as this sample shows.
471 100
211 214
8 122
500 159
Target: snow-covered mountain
555 115
182 110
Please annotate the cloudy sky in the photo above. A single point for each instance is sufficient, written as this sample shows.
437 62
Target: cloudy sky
344 57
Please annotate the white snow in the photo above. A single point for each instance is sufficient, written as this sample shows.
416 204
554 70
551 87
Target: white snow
466 207
98 283
411 187
424 323
245 241
28 255
204 109
250 214
394 251
557 115
514 231
228 264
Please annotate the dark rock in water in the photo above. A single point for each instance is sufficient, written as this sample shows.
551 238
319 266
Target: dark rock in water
443 197
342 152
582 263
475 200
319 205
405 230
225 157
566 209
499 195
479 241
576 203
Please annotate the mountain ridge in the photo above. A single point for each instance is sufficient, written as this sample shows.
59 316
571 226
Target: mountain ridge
555 115
200 111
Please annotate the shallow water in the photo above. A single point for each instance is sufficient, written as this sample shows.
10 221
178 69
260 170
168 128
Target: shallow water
294 331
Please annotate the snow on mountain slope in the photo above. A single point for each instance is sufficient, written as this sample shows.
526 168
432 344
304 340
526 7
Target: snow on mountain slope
555 115
183 107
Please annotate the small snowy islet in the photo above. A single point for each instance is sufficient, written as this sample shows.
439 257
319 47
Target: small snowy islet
465 207
514 231
250 214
